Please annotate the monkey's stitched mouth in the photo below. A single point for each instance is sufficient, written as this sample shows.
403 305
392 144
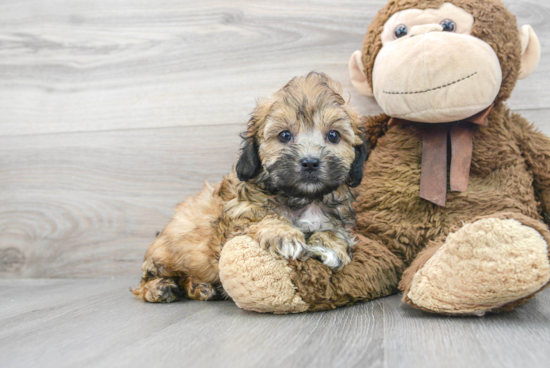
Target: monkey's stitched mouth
431 89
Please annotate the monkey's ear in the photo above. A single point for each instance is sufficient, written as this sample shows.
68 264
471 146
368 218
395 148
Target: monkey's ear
249 163
356 170
530 51
357 75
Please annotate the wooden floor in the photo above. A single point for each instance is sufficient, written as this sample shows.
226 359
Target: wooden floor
96 323
111 112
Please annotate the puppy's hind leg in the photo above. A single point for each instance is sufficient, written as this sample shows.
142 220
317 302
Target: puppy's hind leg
195 289
183 260
154 288
158 291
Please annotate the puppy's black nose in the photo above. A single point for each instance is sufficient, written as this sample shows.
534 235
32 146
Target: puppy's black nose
310 164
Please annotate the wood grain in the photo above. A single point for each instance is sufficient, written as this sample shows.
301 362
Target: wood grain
111 112
95 65
97 323
85 204
515 339
98 65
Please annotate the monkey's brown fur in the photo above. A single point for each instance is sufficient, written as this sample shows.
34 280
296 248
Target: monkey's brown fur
509 179
183 260
510 175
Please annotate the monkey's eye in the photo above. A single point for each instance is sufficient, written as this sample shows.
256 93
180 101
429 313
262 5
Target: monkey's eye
333 136
285 136
401 31
448 25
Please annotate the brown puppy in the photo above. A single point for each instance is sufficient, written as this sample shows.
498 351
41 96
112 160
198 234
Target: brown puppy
290 191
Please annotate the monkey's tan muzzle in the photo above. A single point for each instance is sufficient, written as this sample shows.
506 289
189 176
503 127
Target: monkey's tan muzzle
439 76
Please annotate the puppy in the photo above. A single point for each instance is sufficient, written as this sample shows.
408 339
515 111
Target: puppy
290 191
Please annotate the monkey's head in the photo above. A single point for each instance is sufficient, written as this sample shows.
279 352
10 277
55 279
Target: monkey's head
304 141
438 61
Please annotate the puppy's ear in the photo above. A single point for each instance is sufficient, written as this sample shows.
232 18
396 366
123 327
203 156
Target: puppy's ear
356 170
249 163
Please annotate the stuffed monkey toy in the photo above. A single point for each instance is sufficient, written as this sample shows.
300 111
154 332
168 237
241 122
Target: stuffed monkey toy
455 193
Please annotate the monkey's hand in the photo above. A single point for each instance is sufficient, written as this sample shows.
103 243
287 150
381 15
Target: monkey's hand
279 236
332 250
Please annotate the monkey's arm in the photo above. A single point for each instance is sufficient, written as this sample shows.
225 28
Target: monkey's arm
373 272
535 147
257 281
375 127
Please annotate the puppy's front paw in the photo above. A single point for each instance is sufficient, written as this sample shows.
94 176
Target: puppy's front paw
328 257
284 240
292 248
330 250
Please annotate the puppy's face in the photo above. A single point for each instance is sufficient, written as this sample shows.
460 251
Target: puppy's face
305 140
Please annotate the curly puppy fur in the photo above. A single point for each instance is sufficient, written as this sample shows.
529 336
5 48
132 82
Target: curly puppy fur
293 197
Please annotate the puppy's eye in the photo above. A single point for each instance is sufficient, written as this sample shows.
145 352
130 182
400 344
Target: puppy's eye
333 136
285 136
401 31
448 25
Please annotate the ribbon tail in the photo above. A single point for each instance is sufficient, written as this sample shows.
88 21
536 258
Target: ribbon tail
433 177
461 159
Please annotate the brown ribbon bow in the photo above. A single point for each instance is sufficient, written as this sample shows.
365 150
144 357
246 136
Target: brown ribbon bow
433 177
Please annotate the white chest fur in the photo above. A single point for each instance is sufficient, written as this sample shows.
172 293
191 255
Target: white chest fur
309 219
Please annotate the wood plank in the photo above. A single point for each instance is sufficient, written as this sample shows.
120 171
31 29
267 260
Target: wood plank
516 339
100 65
89 204
110 328
91 323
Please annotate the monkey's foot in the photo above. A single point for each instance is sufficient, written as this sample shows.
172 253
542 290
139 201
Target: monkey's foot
489 265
